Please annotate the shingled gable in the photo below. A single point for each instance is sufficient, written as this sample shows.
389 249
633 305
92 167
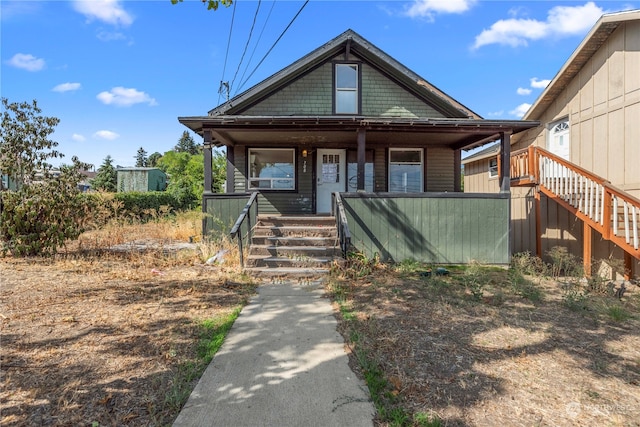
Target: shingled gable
348 43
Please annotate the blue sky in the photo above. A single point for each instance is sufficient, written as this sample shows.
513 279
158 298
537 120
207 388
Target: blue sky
119 73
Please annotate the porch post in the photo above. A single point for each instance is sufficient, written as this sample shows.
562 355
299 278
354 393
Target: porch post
457 171
231 161
362 136
207 162
505 162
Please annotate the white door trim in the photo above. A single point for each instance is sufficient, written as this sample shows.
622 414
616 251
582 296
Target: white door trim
329 178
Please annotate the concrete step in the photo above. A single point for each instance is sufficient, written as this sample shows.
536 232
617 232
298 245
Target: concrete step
310 220
295 251
307 273
288 262
294 231
294 241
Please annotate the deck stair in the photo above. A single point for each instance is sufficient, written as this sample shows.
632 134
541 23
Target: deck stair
602 207
293 246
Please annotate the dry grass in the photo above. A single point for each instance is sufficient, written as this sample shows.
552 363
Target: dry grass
504 353
94 336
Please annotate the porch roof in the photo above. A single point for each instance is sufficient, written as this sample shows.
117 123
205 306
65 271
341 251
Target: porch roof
457 133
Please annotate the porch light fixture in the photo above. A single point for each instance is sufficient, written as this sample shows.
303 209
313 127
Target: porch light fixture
304 153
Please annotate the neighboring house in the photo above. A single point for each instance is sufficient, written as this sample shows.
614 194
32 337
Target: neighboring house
141 179
7 182
583 192
349 120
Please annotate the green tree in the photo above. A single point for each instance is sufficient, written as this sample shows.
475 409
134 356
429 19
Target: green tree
186 176
46 209
25 147
107 178
211 4
186 144
218 171
141 158
153 159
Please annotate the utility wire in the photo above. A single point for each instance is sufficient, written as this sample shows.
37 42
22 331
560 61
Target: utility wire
276 42
246 46
256 45
226 56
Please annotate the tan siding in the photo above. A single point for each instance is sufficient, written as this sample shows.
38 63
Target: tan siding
477 180
440 163
632 58
616 148
632 151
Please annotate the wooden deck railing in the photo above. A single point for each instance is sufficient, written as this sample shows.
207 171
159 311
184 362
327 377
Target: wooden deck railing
612 212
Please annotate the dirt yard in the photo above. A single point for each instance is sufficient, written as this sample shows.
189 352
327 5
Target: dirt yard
482 348
106 338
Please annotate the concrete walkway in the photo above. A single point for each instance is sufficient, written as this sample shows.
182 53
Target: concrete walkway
282 364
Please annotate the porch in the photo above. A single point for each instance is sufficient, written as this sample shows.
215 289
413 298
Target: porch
440 228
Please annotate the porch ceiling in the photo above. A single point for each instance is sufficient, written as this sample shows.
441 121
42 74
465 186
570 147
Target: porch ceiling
342 130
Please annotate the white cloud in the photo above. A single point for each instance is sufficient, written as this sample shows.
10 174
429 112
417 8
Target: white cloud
26 62
66 87
106 134
77 137
107 36
125 97
520 110
523 91
561 21
539 84
429 8
108 11
496 113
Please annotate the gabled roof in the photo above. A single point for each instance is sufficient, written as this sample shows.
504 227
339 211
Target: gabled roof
598 35
350 42
488 152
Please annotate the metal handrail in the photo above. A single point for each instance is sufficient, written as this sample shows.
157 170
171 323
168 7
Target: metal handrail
235 230
344 235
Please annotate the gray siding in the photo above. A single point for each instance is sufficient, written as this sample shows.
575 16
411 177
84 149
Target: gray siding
313 95
438 228
382 97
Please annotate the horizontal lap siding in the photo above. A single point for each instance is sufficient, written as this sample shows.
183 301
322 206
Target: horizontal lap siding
438 230
440 169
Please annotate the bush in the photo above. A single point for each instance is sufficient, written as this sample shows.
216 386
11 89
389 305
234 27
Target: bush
40 218
146 205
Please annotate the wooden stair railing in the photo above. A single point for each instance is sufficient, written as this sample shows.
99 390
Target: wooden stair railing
610 211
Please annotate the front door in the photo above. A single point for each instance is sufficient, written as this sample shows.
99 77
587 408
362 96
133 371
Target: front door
331 176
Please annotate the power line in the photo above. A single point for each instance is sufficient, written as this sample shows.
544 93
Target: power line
256 45
246 46
274 44
224 68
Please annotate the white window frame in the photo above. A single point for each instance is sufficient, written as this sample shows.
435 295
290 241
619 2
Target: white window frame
421 164
272 182
559 128
493 169
355 90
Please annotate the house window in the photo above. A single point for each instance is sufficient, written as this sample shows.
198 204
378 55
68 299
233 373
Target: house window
493 168
352 171
405 170
346 85
271 169
558 140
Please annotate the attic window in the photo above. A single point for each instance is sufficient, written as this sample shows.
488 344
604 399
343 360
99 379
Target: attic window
346 89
